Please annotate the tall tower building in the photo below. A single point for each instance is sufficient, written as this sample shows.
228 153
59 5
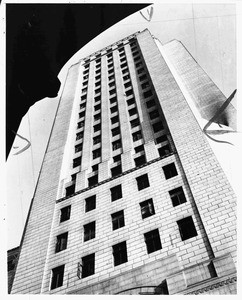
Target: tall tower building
130 198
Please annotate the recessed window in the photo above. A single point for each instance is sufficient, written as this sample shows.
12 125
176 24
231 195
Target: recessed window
110 60
122 54
157 126
65 213
131 101
98 66
111 84
98 77
118 219
154 114
109 55
97 98
95 168
139 161
150 103
161 139
97 117
77 162
88 265
141 70
116 170
135 53
110 65
61 242
84 97
86 71
143 77
97 127
126 77
137 136
78 148
80 124
57 277
73 177
121 48
129 93
85 77
123 59
147 208
116 192
89 231
139 64
114 109
136 58
92 180
169 170
111 77
84 83
86 66
97 107
110 71
152 240
98 84
187 228
139 149
112 92
83 105
70 190
114 119
97 91
177 196
134 123
90 203
117 158
127 84
84 90
97 139
148 93
142 182
98 71
113 100
125 71
96 153
165 150
98 60
115 131
120 253
145 85
133 111
116 145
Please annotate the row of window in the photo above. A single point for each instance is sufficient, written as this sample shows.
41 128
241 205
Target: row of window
152 240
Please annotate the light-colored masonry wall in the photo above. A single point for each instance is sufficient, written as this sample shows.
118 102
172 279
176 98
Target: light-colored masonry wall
211 190
29 273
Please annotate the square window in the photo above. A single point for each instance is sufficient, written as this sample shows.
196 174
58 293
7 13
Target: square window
89 231
129 93
98 77
88 265
131 101
148 93
98 71
111 77
147 208
123 59
97 98
98 84
127 84
85 77
161 139
113 100
97 127
154 114
142 182
84 97
97 117
118 219
136 58
96 153
112 92
120 253
116 192
114 120
115 131
110 65
177 196
111 71
78 148
126 77
150 103
152 240
97 140
84 90
187 228
97 91
92 180
133 111
139 161
111 84
83 105
169 170
57 277
116 170
80 124
97 107
61 242
95 168
116 145
145 85
85 72
135 53
134 123
125 71
137 136
114 109
77 162
139 149
142 77
73 177
117 158
165 150
90 203
139 64
65 213
141 70
70 190
109 54
157 126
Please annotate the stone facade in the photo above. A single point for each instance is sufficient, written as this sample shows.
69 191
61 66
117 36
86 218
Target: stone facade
134 121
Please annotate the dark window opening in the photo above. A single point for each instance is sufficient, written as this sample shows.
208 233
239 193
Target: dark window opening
92 180
129 93
152 240
124 71
139 64
132 111
98 77
97 107
177 196
85 77
118 219
117 158
61 242
162 289
148 93
131 101
112 92
145 85
89 231
113 100
137 136
157 126
110 71
110 65
96 153
147 208
116 192
116 170
142 182
114 109
97 91
70 190
97 139
136 58
90 203
161 139
134 123
139 161
127 84
84 83
139 149
78 148
80 124
57 277
84 90
120 253
111 84
97 127
135 53
114 119
126 77
98 98
169 170
140 70
187 228
154 114
97 117
95 168
116 145
115 131
77 162
165 150
83 105
84 97
65 213
143 77
88 265
150 103
111 77
98 71
123 59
